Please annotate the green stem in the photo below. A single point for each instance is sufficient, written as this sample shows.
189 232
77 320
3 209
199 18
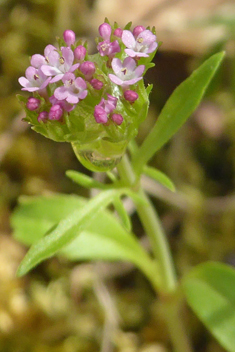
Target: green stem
162 254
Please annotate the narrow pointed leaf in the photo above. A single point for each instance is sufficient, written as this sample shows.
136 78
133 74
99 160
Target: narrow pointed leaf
159 177
65 231
84 180
210 292
102 239
178 108
122 213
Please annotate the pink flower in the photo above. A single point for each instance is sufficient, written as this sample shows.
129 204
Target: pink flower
104 108
59 65
63 103
127 73
38 60
35 80
74 89
107 47
144 44
100 114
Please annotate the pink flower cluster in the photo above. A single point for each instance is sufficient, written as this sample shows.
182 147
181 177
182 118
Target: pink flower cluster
65 76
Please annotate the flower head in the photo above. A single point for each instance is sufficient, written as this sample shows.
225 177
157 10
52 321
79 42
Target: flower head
74 89
126 73
140 46
89 99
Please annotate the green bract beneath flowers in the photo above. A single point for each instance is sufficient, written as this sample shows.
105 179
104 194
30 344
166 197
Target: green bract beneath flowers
96 102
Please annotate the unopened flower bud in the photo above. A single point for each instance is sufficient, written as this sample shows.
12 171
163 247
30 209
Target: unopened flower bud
43 116
137 30
88 69
117 118
105 31
96 84
100 114
131 95
118 32
80 52
69 37
33 103
55 112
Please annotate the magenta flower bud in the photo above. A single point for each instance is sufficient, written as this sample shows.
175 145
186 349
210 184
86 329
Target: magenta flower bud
33 103
100 114
80 52
96 84
88 69
69 37
117 118
55 112
43 116
130 95
137 30
105 31
118 32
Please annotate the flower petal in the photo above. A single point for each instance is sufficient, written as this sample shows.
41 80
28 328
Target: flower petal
116 65
132 81
139 70
129 63
30 72
50 70
57 78
128 39
115 79
37 60
72 99
68 56
61 93
24 82
48 49
130 52
80 83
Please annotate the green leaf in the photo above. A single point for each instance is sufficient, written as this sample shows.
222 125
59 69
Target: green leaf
178 108
122 213
210 292
103 238
66 231
85 180
159 177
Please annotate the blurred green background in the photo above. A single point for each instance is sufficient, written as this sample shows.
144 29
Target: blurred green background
71 307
